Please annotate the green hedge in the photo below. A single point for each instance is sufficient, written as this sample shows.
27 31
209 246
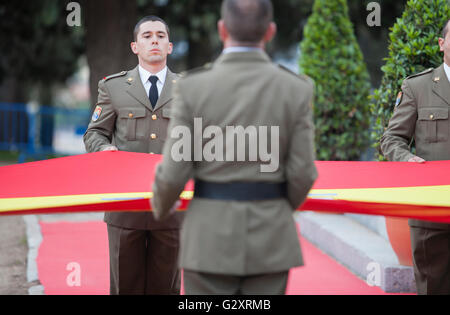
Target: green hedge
413 48
330 55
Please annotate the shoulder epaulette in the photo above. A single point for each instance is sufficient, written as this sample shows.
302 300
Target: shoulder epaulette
112 76
300 76
420 73
205 67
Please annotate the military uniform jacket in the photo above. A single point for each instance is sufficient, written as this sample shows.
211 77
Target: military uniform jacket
240 237
125 118
422 115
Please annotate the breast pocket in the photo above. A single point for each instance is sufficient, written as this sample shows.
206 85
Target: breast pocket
166 113
434 122
130 118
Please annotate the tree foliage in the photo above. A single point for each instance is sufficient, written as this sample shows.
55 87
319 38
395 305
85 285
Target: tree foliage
330 55
37 46
413 48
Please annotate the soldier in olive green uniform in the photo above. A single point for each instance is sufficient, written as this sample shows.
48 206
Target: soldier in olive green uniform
132 114
239 235
422 113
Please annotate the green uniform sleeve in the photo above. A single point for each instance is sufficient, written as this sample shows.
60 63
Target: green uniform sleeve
173 173
100 130
395 143
301 171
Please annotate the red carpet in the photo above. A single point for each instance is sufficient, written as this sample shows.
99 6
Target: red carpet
85 244
322 275
73 260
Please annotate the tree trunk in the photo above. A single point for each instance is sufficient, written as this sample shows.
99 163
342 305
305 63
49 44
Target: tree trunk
13 124
13 90
108 39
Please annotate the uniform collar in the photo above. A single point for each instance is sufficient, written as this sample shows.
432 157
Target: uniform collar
145 75
257 55
240 49
447 71
441 83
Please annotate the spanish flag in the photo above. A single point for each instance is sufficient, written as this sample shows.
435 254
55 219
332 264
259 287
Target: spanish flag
121 181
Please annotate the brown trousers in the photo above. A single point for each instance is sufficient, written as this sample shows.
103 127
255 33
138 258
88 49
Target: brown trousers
143 262
197 283
431 255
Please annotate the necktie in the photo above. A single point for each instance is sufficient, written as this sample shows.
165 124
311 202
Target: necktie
153 95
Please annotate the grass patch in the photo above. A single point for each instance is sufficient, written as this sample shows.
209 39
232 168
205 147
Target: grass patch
7 156
13 157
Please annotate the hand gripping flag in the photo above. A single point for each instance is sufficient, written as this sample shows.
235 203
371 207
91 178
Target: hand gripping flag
121 181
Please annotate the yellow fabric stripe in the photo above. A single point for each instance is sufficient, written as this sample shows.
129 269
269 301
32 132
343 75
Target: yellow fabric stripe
19 204
425 195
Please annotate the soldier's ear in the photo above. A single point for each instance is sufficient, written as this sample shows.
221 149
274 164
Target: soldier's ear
134 48
223 32
270 33
441 44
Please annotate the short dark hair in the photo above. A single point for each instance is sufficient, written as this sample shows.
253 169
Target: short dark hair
149 18
445 30
247 20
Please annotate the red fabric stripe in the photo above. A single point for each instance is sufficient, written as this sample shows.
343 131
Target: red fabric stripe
96 173
347 175
122 172
427 213
136 205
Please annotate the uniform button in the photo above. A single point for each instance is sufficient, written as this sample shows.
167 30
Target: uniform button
130 115
153 136
154 117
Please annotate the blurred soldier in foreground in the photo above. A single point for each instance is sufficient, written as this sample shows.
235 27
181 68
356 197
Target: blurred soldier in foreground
132 115
239 235
422 113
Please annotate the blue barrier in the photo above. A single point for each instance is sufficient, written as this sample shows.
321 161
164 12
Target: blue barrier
29 130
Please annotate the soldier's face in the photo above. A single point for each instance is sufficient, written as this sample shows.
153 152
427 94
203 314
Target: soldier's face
152 44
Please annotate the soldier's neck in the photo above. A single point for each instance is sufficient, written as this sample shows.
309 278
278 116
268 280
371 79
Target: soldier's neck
232 43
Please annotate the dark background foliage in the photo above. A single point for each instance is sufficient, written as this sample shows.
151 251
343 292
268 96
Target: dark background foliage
413 47
38 49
